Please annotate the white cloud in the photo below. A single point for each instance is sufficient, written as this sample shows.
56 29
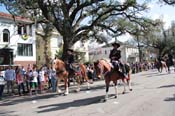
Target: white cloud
124 38
165 18
122 1
150 5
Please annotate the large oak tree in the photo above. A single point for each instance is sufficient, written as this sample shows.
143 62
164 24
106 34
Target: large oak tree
78 20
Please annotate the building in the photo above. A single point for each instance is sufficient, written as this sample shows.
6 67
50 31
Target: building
128 53
17 35
47 46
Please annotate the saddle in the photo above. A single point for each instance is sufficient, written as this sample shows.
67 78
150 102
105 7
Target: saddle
75 67
120 68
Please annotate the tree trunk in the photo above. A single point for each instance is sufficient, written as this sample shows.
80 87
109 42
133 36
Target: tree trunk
67 44
46 50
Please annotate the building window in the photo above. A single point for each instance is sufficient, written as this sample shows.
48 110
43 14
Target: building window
6 35
19 29
105 52
30 30
25 49
25 29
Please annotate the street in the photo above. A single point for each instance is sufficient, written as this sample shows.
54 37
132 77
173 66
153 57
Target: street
153 95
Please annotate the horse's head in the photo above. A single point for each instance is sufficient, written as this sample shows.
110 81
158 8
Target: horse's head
58 65
98 68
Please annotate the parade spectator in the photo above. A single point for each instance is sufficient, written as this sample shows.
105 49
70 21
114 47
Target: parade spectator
52 75
33 75
41 79
2 84
90 72
19 81
10 77
27 79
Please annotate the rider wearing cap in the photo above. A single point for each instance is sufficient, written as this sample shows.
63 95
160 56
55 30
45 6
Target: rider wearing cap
115 56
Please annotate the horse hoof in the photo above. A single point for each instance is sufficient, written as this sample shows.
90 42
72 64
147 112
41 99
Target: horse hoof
123 92
115 96
130 89
66 93
59 91
105 100
77 90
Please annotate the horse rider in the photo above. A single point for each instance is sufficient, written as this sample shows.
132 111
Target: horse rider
70 59
170 58
115 55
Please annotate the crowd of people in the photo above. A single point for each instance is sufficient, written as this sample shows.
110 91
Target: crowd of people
33 80
28 80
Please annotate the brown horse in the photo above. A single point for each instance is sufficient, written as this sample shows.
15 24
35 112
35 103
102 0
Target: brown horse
63 74
160 65
102 67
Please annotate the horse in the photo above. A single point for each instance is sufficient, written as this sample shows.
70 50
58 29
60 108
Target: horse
102 67
64 75
169 63
160 65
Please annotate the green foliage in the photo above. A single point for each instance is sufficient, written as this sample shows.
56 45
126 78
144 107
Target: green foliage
159 38
59 53
82 19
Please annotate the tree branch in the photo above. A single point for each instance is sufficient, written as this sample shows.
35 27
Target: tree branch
169 2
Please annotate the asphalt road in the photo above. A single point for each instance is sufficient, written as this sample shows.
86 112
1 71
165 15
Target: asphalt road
153 95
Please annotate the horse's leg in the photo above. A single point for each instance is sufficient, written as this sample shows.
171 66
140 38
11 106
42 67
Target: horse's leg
161 68
78 83
58 89
66 86
169 71
107 82
124 85
129 82
166 68
87 79
116 89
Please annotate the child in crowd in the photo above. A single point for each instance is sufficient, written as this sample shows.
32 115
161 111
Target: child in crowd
20 82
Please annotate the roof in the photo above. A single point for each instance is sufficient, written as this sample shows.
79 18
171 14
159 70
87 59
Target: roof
17 18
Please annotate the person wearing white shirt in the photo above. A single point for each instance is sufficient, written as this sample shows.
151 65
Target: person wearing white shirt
42 79
2 83
34 81
10 77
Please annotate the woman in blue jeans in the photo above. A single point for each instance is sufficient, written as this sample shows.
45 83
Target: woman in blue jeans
53 79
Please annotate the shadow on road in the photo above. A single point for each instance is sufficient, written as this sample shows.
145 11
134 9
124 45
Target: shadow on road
167 86
158 74
7 113
151 73
75 103
170 98
12 101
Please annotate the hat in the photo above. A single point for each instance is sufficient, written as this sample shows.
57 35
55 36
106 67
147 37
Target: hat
116 44
71 50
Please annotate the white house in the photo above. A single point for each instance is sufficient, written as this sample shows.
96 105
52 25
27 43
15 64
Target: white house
18 34
128 53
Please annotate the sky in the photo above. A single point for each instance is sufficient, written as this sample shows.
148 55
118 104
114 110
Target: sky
157 10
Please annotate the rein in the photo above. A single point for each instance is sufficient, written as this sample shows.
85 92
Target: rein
60 71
